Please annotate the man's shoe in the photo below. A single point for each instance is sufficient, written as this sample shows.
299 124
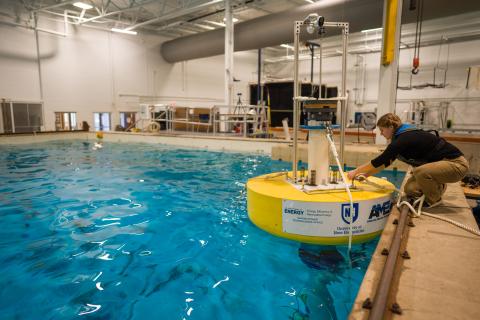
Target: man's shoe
443 188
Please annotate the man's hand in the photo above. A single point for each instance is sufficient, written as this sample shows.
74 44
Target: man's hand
365 170
351 174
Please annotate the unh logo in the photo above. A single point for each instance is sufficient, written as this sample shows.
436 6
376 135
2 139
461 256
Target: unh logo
346 212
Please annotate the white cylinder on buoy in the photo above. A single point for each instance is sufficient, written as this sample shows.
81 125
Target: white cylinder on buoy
318 155
286 129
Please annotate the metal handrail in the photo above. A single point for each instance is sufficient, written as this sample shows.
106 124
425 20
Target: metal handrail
383 288
134 125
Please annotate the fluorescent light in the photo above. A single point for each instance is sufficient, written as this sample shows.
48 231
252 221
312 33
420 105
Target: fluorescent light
220 24
84 6
215 23
233 19
372 30
309 1
286 46
124 31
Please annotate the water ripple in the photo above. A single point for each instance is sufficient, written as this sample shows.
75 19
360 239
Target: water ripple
150 231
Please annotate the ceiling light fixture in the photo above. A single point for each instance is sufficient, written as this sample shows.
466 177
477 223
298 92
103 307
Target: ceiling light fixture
220 24
204 26
215 23
124 31
233 19
84 6
309 1
286 46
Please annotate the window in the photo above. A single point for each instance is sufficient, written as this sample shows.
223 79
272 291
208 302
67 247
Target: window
65 121
101 121
127 120
22 117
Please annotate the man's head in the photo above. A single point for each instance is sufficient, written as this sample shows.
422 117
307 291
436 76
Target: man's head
388 124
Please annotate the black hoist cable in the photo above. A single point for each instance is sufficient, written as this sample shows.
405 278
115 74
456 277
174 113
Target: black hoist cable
418 36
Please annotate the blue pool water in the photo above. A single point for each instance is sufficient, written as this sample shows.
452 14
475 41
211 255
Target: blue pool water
154 232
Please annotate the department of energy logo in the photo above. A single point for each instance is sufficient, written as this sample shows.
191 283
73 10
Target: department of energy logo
346 212
293 211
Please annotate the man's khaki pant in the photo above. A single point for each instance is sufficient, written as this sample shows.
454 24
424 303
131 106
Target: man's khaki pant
430 178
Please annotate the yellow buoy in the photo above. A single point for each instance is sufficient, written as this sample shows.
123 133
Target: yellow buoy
319 217
99 135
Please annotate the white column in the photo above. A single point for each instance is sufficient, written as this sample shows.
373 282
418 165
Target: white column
318 156
343 103
387 87
39 60
228 53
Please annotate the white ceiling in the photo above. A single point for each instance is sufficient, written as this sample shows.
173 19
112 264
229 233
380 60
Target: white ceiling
170 18
178 18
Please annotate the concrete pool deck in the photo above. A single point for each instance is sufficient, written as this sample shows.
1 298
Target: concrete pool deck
441 280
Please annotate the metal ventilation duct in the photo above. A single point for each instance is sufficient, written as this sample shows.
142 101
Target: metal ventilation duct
277 28
270 30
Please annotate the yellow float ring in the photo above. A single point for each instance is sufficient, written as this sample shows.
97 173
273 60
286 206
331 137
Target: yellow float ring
153 127
272 201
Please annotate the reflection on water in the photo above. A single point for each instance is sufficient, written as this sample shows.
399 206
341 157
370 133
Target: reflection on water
338 272
146 231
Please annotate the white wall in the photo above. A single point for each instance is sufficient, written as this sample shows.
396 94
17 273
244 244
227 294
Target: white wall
93 70
460 57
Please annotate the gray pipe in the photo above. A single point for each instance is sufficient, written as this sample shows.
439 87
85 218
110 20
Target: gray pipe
296 103
259 84
274 29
